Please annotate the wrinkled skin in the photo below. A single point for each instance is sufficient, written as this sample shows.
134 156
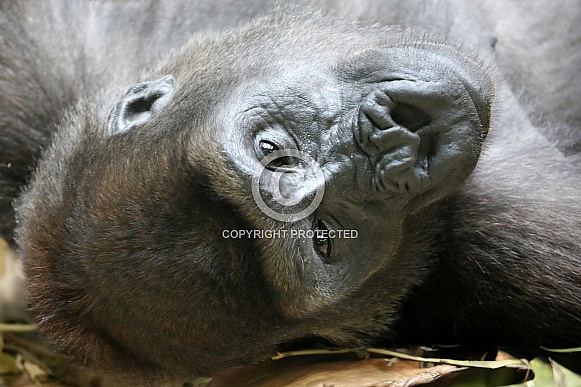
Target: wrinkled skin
121 226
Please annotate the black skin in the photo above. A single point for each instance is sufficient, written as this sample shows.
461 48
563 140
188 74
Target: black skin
121 224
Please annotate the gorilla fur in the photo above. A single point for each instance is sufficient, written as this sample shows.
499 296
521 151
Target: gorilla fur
125 163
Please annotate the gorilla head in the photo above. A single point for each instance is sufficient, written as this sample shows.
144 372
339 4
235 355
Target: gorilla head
130 228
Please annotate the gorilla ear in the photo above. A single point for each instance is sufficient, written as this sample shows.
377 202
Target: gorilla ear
141 102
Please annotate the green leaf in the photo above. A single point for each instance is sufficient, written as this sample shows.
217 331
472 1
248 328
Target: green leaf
549 373
7 365
564 377
564 350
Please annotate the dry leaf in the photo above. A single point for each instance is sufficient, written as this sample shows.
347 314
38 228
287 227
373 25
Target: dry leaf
36 372
320 370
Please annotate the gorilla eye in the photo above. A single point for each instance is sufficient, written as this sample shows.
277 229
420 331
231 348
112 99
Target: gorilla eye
266 148
321 239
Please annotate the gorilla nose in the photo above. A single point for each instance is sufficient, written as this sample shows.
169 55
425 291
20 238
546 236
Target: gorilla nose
406 107
426 125
391 106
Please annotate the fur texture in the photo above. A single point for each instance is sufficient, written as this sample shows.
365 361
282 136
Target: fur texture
122 236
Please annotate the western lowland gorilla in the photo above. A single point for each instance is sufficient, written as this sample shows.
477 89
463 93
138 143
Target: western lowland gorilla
288 174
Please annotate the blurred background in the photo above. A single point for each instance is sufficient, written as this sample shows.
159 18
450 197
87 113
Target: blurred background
12 294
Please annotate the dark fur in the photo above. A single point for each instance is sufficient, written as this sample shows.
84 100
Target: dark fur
126 265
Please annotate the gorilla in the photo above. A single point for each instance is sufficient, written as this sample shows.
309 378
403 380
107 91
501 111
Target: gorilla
193 186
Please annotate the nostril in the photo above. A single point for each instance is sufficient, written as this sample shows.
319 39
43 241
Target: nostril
409 117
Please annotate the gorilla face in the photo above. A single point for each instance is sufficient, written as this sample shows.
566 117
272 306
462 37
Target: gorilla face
134 210
391 128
